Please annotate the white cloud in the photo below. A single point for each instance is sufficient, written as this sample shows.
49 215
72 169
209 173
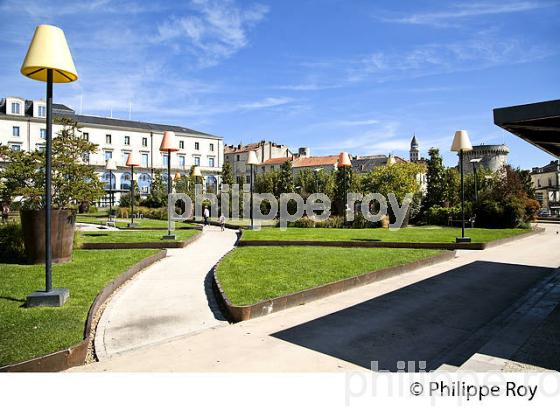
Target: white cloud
216 30
469 9
266 103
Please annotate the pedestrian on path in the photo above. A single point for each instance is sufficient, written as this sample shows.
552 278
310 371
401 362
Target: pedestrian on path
222 222
5 213
206 214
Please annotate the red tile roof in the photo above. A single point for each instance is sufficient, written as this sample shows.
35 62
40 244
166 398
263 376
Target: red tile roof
276 161
315 161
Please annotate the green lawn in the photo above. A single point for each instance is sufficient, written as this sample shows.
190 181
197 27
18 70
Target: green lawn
28 333
411 234
133 236
123 223
252 274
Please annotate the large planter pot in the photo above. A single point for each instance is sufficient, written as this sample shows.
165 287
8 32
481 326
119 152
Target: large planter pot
63 222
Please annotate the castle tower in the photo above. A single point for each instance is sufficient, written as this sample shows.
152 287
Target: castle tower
414 150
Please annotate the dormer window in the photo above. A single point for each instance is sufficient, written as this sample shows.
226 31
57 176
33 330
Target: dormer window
41 111
16 108
196 146
108 139
15 131
181 144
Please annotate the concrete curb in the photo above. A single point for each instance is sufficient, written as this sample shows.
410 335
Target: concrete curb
142 245
239 313
476 246
76 355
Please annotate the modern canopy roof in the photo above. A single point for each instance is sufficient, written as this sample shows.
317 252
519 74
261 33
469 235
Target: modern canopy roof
538 124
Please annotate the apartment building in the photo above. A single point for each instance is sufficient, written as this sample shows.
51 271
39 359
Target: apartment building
22 127
237 156
546 181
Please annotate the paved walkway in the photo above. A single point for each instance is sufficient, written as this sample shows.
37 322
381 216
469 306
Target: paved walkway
168 299
440 304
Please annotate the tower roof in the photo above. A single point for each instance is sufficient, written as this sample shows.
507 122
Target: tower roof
414 143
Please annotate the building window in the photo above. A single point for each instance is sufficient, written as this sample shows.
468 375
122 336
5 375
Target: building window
86 136
42 111
145 160
165 159
197 161
108 155
126 140
15 147
15 131
41 148
43 133
197 146
211 162
181 144
237 158
125 156
247 179
108 138
181 161
144 141
211 147
16 107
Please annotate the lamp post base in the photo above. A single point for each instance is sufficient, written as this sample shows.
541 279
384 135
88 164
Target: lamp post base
169 237
462 240
54 298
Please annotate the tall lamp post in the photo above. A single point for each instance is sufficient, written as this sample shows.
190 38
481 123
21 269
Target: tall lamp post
252 160
474 163
196 174
169 144
132 161
344 162
49 60
111 166
461 144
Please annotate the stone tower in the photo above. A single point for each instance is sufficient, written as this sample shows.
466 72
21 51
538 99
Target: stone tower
414 150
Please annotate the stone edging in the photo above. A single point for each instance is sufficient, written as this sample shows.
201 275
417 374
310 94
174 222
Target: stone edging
239 313
141 245
76 355
477 246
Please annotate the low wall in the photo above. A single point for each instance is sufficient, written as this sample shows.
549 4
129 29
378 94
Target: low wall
76 355
240 313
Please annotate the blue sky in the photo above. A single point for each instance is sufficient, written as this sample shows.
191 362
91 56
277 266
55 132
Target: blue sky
354 75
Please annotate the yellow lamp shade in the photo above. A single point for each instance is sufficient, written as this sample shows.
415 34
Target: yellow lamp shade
344 160
49 50
132 160
461 142
196 172
169 142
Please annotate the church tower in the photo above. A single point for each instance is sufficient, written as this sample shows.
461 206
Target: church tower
414 150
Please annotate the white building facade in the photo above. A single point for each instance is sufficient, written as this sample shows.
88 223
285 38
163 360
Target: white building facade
22 127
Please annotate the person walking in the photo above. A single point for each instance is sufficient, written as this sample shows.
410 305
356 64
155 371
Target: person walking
206 214
5 213
222 222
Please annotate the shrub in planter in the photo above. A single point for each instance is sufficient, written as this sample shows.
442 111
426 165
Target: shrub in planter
332 222
304 222
73 183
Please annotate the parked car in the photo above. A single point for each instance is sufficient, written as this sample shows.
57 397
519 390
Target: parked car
544 213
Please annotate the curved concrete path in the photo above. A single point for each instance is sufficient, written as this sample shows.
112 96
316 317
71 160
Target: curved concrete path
171 298
337 333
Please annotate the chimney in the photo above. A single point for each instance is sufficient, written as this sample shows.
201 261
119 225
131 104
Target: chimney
304 152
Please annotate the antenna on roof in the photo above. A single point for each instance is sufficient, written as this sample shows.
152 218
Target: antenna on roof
129 111
111 115
81 103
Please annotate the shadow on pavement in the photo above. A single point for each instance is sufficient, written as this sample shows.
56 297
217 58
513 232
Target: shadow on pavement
420 322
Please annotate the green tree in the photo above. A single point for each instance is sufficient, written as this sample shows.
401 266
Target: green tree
436 179
157 197
399 179
285 182
227 174
73 180
343 183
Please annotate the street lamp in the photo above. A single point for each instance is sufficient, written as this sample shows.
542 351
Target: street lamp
49 60
252 160
475 161
461 144
132 161
344 162
111 166
169 144
317 170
